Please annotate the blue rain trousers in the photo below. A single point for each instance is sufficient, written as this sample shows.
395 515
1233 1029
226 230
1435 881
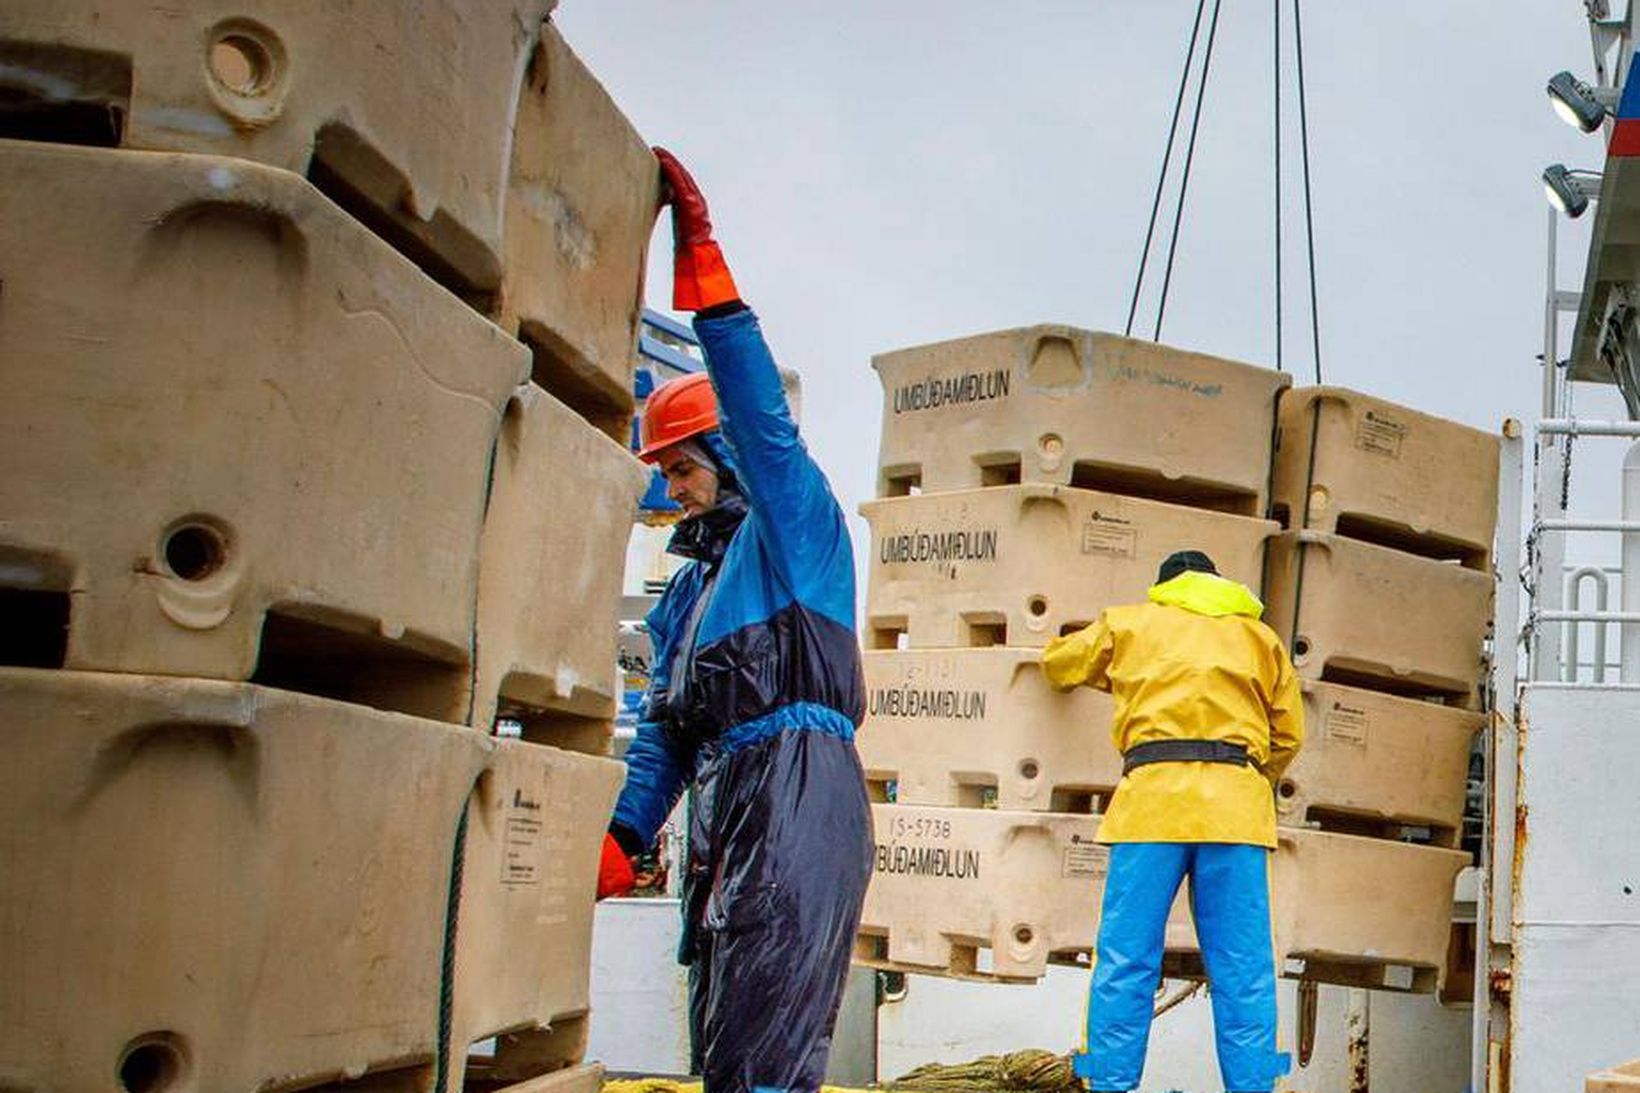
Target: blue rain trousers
1230 902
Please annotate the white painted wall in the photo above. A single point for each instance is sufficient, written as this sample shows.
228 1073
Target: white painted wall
646 558
640 994
1417 1046
1576 999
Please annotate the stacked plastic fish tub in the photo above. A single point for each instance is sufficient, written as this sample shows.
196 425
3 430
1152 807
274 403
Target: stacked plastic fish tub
1031 478
317 333
1382 587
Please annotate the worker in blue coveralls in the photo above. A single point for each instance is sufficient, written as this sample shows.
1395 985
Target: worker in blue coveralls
755 695
1208 715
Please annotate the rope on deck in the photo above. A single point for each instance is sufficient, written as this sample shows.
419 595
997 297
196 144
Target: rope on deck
1031 1071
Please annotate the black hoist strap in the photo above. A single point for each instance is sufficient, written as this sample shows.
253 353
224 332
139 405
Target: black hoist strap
1184 751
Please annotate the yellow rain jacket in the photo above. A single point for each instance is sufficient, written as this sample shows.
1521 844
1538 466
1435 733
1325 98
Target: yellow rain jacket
1195 663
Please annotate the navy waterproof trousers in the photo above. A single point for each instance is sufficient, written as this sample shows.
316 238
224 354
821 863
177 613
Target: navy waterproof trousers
774 909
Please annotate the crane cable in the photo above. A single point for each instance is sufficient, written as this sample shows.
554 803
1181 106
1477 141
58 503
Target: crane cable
1167 159
1309 218
1304 152
1184 182
1275 71
1184 179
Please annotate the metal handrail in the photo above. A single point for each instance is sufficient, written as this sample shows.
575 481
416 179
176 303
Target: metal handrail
1574 595
1586 616
1571 426
1587 525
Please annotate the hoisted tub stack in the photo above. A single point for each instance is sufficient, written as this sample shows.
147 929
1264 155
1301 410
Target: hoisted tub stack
1030 478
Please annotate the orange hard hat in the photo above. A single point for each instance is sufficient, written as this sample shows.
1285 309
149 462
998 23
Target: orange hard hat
678 409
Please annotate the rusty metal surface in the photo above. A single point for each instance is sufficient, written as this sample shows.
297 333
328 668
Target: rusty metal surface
1308 995
1358 1031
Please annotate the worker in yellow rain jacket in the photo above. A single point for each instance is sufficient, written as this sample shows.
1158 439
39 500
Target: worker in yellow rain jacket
1208 716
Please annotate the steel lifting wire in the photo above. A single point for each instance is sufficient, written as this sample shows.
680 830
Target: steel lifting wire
1184 178
1304 152
1309 218
1167 159
1275 73
1189 158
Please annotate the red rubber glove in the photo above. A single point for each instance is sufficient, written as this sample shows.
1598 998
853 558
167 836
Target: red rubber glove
615 877
700 279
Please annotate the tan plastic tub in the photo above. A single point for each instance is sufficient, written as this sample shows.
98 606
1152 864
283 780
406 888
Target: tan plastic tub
407 110
535 830
987 894
1369 469
241 434
1018 565
1065 406
244 882
1620 1079
1366 615
560 513
579 210
1375 763
971 727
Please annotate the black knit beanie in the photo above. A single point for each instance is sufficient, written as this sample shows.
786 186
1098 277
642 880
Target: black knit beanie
1182 561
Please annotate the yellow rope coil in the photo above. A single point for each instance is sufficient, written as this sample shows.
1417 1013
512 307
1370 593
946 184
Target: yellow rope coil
668 1085
1030 1071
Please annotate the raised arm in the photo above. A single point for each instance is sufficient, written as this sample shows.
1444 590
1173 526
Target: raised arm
791 500
789 494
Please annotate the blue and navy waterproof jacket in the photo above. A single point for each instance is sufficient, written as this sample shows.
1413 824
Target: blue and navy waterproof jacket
761 640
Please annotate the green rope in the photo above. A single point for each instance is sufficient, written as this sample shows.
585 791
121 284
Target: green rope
1029 1071
447 971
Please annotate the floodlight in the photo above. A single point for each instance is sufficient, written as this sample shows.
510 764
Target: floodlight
1570 191
1578 103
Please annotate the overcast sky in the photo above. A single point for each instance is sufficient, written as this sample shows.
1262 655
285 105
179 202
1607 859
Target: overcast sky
887 174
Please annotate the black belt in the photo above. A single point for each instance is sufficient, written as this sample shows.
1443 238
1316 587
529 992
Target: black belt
1184 751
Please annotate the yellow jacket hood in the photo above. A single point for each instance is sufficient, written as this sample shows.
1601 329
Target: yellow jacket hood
1207 594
